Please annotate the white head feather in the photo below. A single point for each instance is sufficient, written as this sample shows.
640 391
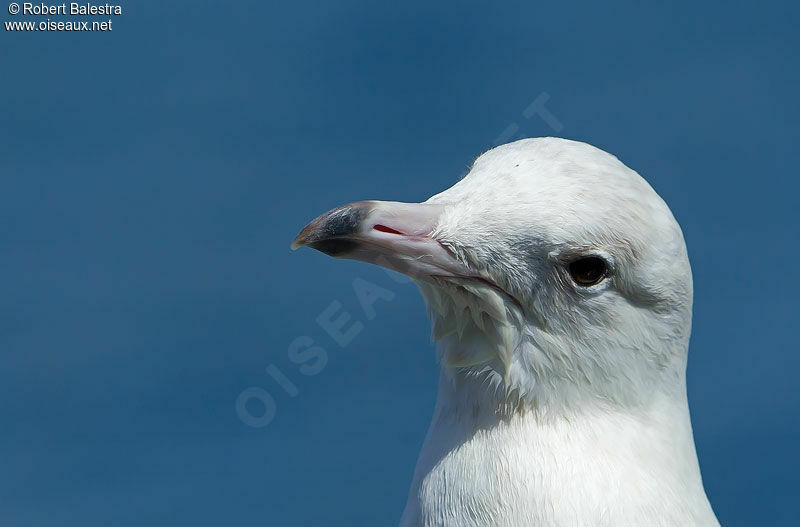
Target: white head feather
559 404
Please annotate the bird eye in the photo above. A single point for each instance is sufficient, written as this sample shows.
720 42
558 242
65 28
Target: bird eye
588 270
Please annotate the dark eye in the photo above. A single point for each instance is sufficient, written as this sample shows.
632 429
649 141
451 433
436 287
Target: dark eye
588 270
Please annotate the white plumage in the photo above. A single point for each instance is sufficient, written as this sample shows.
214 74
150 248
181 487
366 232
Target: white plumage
560 403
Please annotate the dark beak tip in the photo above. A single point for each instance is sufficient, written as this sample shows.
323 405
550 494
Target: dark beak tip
300 240
335 224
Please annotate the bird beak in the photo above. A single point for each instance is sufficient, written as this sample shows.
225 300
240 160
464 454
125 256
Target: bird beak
395 235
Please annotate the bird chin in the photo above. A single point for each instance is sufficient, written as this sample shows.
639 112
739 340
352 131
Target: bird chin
473 322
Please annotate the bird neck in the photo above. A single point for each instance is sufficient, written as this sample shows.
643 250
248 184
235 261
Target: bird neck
599 464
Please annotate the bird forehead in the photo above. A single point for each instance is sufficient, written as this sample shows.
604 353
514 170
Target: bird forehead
527 182
549 169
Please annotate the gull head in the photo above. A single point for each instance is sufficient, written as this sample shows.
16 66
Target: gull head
554 275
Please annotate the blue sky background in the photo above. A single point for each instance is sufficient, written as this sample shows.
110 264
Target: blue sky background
152 178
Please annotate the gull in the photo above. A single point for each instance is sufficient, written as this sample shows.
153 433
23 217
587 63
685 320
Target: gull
560 293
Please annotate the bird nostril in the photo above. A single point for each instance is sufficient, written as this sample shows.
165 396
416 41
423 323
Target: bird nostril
384 228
